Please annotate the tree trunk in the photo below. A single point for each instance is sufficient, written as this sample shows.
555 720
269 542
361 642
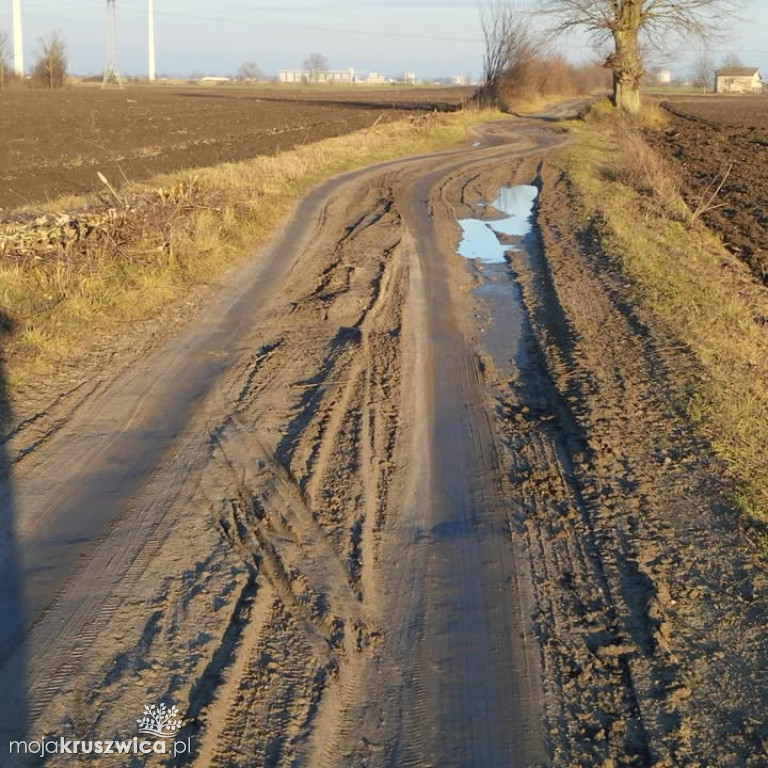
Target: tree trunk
627 63
626 96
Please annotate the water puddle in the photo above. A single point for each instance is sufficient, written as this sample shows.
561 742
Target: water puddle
517 203
488 240
480 242
493 244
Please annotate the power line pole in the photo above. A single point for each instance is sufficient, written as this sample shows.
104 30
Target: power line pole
112 68
18 42
151 40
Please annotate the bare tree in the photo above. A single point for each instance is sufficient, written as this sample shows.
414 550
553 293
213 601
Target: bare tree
3 59
316 66
703 71
732 60
508 41
250 70
52 62
627 22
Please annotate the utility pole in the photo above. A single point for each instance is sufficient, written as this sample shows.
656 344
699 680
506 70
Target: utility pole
18 43
112 68
151 40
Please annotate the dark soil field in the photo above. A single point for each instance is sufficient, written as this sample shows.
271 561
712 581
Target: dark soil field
733 111
54 144
710 137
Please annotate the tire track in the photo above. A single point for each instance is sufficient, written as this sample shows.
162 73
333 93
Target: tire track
363 546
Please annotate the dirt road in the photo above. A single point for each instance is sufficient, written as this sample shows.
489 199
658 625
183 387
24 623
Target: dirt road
369 512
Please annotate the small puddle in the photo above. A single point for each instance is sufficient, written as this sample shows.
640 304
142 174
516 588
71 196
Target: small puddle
493 244
488 240
517 203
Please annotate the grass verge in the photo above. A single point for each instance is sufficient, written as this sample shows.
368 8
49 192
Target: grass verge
91 276
706 295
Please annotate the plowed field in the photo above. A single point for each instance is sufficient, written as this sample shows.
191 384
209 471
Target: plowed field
724 139
55 143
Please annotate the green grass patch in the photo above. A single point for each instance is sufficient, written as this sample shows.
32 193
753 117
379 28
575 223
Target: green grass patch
165 238
706 295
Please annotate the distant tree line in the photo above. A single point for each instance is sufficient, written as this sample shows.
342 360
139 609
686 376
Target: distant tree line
316 66
520 64
250 70
51 64
4 67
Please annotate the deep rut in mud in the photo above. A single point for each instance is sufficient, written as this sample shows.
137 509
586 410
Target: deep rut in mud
370 538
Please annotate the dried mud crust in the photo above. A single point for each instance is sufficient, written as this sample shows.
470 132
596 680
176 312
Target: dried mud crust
651 600
713 137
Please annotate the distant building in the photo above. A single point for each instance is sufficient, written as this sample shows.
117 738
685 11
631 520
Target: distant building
657 76
372 78
453 80
738 80
409 78
327 76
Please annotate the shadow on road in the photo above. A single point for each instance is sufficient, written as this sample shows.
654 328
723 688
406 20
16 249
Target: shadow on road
13 682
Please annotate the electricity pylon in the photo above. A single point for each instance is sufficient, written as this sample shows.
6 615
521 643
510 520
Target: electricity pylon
112 68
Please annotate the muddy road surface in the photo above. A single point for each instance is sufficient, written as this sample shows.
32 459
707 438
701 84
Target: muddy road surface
385 505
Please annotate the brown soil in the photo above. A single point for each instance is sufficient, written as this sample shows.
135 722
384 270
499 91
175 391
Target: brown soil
743 112
334 531
708 137
652 610
55 143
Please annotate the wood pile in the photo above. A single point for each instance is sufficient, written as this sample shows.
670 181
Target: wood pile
22 236
34 235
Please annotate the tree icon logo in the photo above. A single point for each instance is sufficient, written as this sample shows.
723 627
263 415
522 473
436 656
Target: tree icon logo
160 721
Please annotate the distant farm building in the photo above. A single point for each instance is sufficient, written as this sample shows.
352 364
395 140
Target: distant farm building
323 76
738 80
372 78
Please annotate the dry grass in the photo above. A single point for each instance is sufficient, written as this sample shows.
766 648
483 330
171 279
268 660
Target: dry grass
157 243
707 296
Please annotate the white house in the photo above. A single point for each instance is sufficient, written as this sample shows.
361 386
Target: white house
738 80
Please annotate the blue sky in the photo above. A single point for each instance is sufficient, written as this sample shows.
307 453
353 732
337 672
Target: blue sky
431 37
